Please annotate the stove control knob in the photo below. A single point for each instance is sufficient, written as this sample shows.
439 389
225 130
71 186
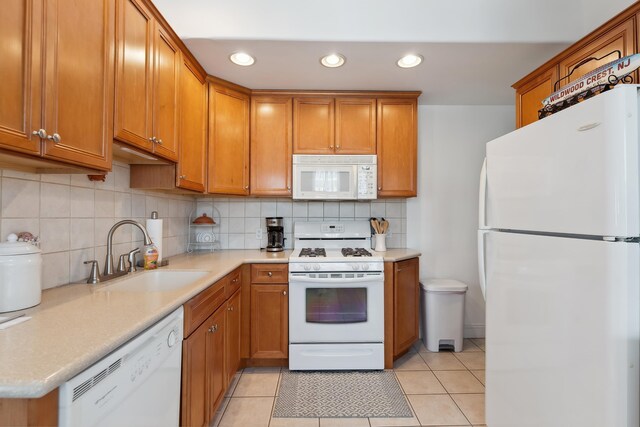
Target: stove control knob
355 266
307 267
316 267
365 267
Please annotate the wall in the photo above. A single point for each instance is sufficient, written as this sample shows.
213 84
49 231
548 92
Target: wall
240 218
72 216
443 219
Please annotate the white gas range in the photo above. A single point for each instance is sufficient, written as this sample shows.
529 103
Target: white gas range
336 298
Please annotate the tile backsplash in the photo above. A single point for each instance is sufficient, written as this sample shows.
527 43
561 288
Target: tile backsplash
73 215
241 220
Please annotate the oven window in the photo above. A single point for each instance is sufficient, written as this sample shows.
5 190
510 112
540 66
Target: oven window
336 305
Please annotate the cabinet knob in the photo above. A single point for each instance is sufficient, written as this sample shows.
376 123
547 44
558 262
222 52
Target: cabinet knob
246 187
55 138
152 139
284 293
213 328
379 188
159 141
183 177
289 188
269 274
41 133
230 308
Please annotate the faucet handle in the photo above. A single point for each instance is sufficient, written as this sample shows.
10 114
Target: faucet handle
94 276
121 264
132 260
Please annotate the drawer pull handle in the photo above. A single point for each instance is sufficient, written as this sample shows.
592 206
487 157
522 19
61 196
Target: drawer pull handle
270 274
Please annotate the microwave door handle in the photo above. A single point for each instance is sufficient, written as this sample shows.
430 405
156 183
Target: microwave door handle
339 280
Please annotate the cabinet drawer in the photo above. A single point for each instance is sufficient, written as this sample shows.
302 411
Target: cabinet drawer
269 273
232 283
200 307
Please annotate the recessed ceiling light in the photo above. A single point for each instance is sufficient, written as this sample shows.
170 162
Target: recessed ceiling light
409 61
241 58
333 60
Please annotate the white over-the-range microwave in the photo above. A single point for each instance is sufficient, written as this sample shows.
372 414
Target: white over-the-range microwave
335 177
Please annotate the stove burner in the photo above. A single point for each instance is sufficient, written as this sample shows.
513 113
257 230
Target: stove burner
309 252
355 252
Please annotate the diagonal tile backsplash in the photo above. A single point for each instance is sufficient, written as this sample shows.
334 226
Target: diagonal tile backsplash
240 220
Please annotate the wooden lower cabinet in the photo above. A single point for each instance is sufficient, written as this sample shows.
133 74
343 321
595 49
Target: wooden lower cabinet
30 412
232 336
269 321
406 305
211 353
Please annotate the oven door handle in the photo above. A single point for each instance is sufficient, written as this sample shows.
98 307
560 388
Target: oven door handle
347 280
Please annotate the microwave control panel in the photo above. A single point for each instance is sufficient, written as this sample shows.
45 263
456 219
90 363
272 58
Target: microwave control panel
367 181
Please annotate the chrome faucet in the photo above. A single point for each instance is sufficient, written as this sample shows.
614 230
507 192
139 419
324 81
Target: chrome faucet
108 265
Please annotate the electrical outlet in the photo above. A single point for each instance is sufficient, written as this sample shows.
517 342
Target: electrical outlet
258 233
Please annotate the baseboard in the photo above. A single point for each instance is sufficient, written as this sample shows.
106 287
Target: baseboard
474 331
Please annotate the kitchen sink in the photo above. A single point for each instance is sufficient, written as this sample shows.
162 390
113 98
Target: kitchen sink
156 281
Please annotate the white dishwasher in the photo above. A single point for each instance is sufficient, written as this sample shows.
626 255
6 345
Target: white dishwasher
136 385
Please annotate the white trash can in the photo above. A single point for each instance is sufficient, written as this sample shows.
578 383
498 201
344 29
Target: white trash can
443 313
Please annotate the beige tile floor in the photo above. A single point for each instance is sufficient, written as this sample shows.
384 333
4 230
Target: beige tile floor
443 389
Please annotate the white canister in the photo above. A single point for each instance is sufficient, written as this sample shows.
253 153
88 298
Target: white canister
20 276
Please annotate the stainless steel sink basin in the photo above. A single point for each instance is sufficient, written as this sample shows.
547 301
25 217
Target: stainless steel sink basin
155 281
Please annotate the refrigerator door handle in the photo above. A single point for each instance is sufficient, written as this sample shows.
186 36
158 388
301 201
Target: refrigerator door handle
481 263
482 197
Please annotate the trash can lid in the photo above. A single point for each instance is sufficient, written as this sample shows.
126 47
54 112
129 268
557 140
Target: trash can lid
444 285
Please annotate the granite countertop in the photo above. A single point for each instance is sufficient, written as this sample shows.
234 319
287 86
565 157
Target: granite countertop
77 325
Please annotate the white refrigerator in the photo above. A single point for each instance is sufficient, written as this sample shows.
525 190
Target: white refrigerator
559 264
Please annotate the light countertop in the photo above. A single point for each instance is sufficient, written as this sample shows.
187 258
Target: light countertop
76 325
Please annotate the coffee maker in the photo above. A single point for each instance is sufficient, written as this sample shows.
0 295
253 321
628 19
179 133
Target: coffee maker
275 234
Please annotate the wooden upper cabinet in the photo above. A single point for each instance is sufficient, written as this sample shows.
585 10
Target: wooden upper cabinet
397 147
355 126
134 75
70 47
148 64
228 169
529 95
165 102
271 146
621 37
21 29
313 126
79 91
193 129
406 296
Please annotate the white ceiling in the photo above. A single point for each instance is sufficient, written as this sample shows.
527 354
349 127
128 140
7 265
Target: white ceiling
473 49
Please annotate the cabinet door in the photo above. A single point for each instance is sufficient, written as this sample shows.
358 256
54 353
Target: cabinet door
397 144
620 38
20 75
406 294
79 59
529 96
228 169
134 74
271 146
355 126
269 321
165 95
313 126
193 129
232 335
194 406
216 377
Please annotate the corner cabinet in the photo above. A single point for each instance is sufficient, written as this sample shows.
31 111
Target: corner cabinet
147 82
74 109
228 170
271 146
397 147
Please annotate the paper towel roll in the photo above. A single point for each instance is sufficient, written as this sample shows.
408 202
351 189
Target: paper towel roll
154 228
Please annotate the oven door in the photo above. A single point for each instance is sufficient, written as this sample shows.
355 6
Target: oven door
325 310
327 182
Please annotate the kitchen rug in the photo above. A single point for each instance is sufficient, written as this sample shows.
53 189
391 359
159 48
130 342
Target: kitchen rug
340 394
